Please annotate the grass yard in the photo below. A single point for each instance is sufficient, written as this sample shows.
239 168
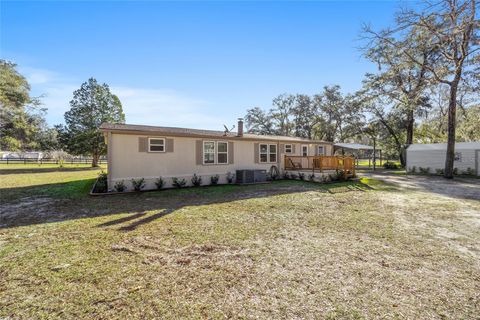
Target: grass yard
290 249
364 162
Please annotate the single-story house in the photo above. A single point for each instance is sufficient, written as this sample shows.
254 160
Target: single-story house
149 152
467 156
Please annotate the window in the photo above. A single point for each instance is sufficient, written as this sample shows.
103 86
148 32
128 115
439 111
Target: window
304 150
288 148
156 145
208 152
268 153
215 152
321 151
222 152
264 153
458 156
273 152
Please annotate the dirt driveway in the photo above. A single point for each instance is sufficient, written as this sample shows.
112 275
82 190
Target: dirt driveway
460 188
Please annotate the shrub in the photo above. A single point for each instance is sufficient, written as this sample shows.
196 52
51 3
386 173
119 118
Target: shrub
101 186
340 175
469 172
311 177
440 171
160 183
390 165
455 171
413 169
120 186
424 170
301 176
286 175
196 180
214 180
138 184
230 177
293 176
179 183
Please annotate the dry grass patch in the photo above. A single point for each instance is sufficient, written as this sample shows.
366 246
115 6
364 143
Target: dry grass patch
284 250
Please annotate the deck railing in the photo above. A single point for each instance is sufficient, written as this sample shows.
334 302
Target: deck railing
320 163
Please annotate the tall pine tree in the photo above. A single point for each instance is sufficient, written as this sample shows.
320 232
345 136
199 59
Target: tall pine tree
92 105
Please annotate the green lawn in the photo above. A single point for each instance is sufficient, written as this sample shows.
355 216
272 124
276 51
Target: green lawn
364 163
289 249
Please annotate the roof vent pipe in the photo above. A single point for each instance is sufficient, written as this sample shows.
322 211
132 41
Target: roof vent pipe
240 127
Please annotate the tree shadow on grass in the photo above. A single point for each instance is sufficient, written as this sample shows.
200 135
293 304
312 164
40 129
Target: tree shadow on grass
135 224
70 201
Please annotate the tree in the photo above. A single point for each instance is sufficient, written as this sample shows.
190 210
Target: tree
92 105
402 82
306 116
329 116
469 124
392 121
338 116
450 27
330 103
372 130
282 112
21 117
259 122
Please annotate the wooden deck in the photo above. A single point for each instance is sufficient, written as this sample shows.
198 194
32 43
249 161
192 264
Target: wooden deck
320 163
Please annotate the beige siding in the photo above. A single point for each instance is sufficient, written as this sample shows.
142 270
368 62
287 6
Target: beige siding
128 162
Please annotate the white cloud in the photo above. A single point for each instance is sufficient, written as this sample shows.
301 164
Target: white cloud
38 76
166 107
163 107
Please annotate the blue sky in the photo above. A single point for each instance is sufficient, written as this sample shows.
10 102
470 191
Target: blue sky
191 64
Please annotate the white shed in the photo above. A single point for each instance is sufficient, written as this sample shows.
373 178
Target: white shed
467 156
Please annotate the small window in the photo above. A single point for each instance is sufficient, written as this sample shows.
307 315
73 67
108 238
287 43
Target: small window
273 153
268 153
264 153
208 152
304 150
222 152
458 156
321 150
288 148
156 145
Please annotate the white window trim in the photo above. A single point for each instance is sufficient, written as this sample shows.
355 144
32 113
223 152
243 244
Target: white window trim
291 148
267 153
155 144
214 153
224 152
305 145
